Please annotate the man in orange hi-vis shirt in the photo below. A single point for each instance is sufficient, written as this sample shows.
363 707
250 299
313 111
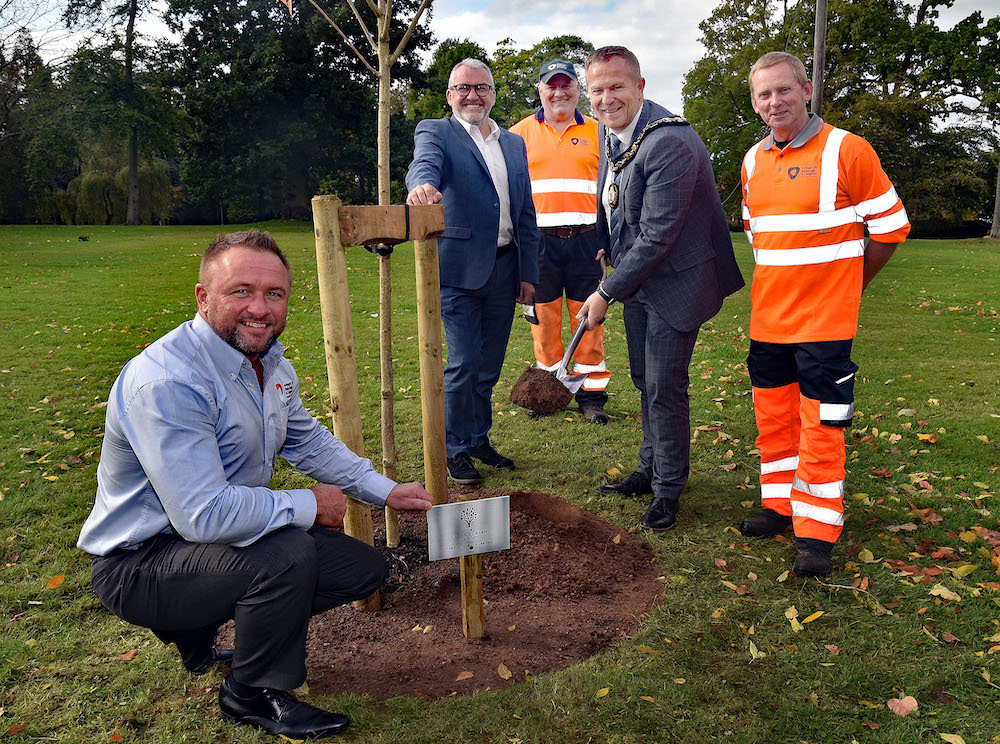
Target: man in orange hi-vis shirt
809 192
562 163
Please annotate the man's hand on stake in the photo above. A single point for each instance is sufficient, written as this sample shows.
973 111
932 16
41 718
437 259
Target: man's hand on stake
423 194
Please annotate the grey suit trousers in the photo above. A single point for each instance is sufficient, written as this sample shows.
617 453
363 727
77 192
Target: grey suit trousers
659 356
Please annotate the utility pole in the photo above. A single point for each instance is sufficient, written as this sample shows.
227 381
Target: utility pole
819 57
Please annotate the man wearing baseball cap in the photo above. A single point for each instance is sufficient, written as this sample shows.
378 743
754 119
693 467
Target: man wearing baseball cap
562 163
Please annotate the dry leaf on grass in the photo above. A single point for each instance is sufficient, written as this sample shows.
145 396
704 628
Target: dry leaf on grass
602 692
128 655
952 738
55 581
903 706
940 590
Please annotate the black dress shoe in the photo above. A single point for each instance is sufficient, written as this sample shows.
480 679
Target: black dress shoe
812 563
661 515
461 469
486 454
204 662
278 713
766 524
633 486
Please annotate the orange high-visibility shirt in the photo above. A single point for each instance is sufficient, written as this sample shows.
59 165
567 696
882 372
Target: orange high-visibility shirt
805 209
563 169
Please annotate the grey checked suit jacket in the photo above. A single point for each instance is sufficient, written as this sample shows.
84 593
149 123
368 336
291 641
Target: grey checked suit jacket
676 251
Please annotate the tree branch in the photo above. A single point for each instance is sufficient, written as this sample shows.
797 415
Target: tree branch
344 37
409 32
364 28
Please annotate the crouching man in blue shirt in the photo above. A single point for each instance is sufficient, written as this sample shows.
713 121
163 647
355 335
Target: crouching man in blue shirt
185 531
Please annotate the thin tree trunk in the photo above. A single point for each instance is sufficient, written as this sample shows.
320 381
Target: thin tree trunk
132 209
385 270
995 230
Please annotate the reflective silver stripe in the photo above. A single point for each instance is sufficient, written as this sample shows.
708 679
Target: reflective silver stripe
750 162
807 256
817 513
889 223
548 367
834 490
778 466
568 185
829 171
746 214
843 379
586 369
775 490
804 222
877 205
565 219
749 236
836 411
596 383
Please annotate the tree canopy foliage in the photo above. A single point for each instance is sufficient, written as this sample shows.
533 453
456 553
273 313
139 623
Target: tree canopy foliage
893 76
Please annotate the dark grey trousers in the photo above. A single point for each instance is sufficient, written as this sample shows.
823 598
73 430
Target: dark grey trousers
184 591
659 356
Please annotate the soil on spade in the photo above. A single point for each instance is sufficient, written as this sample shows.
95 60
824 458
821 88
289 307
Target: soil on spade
570 585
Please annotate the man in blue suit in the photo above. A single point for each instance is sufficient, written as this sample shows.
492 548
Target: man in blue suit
488 253
660 216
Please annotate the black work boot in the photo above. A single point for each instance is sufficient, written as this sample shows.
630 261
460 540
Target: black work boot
766 524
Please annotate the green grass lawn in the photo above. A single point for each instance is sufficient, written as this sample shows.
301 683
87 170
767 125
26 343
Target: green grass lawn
913 608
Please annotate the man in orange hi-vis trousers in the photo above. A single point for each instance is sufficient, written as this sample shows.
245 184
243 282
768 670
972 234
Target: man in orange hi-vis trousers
562 163
809 192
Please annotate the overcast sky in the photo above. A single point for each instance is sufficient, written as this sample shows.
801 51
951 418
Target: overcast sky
663 34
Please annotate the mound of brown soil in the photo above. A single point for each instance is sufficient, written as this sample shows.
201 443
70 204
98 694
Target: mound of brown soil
539 390
570 584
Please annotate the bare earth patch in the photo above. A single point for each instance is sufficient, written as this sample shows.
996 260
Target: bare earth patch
564 591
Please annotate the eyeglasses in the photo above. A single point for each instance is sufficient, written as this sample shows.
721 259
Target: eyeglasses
463 89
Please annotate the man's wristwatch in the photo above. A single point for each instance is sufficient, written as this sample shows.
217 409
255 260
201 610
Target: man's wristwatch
604 295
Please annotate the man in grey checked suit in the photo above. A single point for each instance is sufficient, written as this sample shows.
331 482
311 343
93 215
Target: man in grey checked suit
660 216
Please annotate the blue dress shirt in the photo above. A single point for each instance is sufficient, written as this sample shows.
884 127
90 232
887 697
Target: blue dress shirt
190 443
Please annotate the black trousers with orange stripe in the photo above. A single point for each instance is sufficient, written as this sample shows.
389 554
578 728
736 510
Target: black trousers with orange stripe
803 398
569 265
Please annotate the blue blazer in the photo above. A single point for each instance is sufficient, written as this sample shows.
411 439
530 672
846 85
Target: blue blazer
446 157
675 249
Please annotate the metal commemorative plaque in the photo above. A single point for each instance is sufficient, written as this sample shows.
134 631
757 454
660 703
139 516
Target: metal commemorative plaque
468 528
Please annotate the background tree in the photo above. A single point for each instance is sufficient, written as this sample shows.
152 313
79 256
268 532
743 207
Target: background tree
78 167
19 62
118 13
889 78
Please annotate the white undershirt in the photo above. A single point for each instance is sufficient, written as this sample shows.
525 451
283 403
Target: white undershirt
497 166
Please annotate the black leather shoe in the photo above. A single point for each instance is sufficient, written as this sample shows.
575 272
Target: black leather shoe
486 454
533 414
812 563
278 713
766 524
594 413
461 469
206 661
633 486
661 515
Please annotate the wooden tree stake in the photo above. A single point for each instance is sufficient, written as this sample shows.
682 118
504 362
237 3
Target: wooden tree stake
338 335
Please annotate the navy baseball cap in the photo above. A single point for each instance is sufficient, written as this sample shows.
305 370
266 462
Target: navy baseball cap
556 67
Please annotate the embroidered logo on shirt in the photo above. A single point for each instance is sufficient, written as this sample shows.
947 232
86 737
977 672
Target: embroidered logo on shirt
284 391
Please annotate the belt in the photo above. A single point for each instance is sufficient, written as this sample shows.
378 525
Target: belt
567 232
